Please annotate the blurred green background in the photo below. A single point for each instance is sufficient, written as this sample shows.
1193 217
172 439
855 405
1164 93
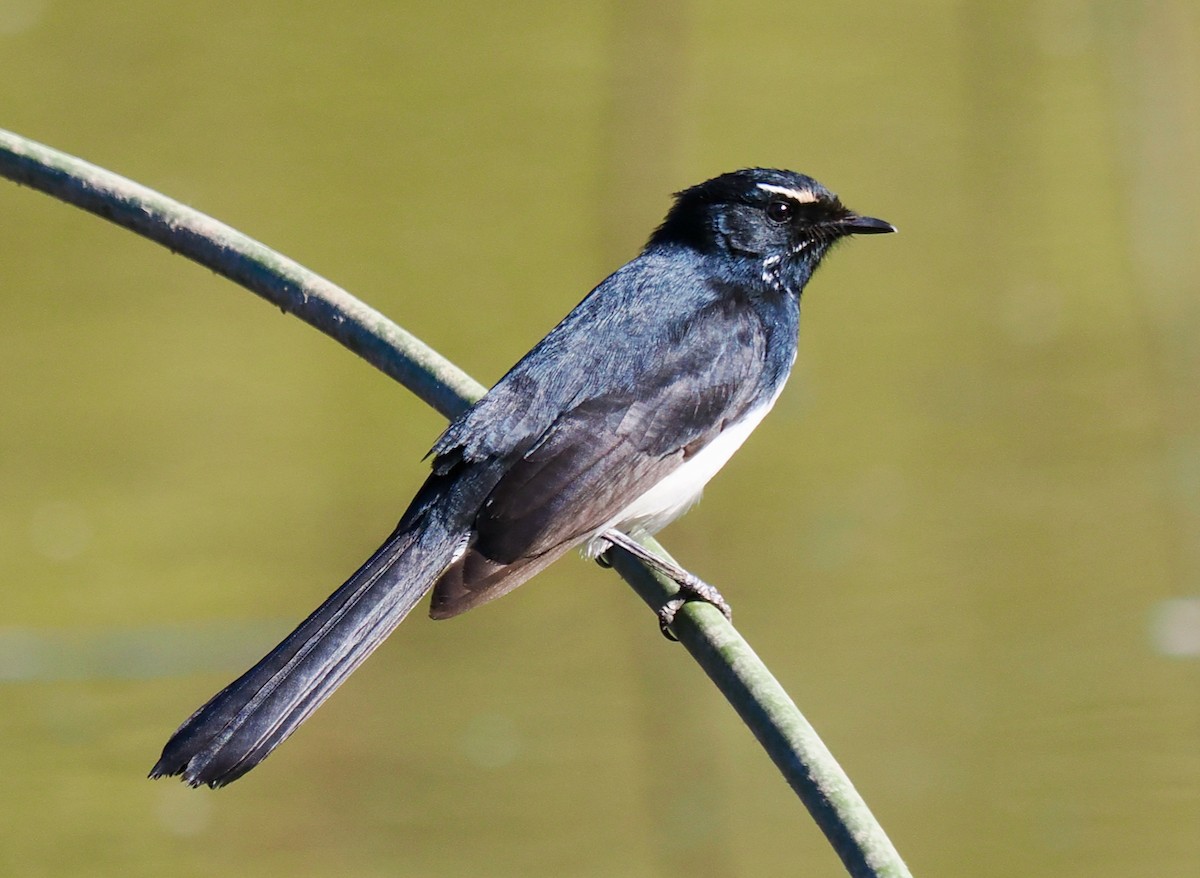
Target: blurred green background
967 540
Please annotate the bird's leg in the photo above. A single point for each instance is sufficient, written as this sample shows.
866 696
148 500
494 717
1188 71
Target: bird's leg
687 582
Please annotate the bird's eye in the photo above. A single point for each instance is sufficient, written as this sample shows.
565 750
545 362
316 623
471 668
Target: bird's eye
779 211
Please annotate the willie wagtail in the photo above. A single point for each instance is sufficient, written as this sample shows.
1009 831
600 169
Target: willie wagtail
607 430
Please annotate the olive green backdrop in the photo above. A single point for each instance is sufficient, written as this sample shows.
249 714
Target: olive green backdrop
967 540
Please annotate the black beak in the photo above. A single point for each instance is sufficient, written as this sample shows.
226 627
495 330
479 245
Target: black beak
854 224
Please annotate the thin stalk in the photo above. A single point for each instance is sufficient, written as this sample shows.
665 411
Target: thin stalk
743 679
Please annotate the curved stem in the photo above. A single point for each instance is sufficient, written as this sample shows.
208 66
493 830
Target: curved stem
278 279
764 706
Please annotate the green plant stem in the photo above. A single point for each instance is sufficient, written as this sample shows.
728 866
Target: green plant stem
281 281
712 641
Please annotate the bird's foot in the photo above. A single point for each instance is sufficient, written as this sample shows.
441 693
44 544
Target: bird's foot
690 585
697 588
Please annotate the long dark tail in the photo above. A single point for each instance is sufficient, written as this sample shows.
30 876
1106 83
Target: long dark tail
255 713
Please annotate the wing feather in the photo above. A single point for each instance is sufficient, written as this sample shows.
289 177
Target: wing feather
604 451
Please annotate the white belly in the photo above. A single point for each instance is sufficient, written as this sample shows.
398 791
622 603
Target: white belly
681 487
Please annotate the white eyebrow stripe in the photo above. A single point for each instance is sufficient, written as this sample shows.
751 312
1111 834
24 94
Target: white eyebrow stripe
803 196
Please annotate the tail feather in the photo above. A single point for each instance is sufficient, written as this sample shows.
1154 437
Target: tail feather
239 726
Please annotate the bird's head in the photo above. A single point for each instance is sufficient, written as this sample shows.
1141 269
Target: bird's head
778 224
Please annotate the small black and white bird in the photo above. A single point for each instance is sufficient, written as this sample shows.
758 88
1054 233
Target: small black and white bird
606 431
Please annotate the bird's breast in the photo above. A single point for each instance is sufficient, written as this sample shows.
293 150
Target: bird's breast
676 492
